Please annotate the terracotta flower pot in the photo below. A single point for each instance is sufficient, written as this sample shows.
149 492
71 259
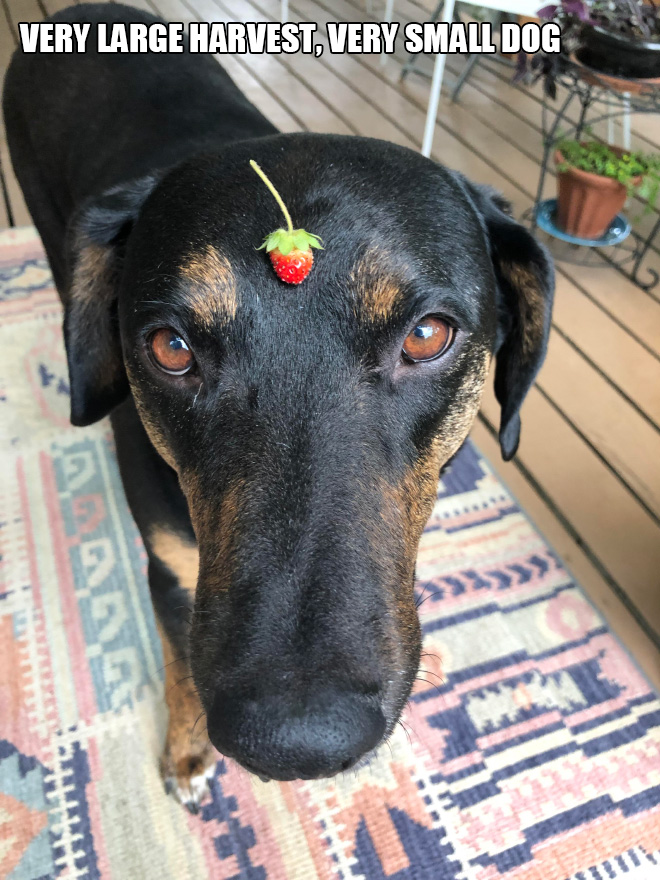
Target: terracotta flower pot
587 202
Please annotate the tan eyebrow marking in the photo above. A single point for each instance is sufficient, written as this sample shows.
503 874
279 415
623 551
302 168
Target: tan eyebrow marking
376 285
213 295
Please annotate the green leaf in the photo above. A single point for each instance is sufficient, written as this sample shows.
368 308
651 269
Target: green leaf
301 239
286 245
273 240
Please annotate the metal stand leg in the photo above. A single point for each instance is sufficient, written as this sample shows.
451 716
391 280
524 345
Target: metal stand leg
585 101
412 59
467 70
548 144
643 252
469 67
436 88
626 122
610 126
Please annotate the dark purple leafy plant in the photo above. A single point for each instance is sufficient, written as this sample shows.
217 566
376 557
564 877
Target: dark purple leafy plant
632 18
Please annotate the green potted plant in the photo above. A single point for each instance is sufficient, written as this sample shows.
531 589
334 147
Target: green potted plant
594 180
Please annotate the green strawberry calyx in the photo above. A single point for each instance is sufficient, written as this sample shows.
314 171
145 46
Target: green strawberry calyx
289 239
286 241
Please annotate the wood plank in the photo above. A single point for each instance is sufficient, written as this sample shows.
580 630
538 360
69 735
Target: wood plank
16 213
22 10
144 5
620 357
605 514
19 212
172 10
258 93
307 108
619 619
629 444
7 38
4 215
7 46
321 79
53 6
263 100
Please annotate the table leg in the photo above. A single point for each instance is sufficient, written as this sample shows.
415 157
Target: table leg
436 86
389 15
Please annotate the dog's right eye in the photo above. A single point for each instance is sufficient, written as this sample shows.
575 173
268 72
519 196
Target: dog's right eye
170 352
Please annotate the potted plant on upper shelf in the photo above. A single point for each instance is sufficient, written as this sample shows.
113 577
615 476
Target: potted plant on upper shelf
593 182
619 39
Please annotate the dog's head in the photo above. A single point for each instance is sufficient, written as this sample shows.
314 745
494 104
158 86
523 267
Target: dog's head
307 424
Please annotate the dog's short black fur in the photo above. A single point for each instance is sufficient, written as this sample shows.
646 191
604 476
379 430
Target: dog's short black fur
281 486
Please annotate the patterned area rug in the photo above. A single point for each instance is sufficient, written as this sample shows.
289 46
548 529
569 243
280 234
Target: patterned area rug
531 748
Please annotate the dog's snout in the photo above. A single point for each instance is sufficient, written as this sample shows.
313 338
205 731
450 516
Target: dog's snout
285 737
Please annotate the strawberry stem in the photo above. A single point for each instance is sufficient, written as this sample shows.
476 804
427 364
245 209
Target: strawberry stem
278 197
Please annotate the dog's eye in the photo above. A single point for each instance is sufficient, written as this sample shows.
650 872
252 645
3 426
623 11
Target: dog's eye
428 339
170 352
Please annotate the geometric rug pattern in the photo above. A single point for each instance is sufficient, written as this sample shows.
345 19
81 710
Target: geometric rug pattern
530 749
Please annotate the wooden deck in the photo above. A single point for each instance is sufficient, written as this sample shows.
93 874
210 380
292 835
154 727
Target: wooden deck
588 468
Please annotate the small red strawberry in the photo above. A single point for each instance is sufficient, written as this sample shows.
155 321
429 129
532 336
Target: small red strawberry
290 250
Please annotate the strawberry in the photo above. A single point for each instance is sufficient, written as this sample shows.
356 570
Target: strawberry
290 250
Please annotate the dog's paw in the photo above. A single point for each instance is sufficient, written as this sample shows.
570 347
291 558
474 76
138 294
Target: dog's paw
187 776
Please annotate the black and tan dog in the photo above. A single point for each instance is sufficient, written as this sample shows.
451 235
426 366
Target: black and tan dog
279 445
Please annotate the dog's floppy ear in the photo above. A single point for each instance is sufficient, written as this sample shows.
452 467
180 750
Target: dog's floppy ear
526 283
97 239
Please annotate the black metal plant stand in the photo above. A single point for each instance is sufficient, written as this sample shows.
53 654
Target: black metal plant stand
599 100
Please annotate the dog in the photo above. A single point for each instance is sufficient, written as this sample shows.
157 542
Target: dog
279 445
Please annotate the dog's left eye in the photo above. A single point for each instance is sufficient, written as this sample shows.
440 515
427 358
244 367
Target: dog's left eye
428 339
170 352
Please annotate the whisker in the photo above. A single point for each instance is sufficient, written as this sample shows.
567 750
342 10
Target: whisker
436 674
423 599
176 684
431 684
172 662
400 722
195 725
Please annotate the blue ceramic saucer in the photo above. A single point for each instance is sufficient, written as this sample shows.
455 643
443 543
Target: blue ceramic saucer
545 220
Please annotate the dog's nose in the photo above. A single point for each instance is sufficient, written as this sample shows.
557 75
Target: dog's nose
280 738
